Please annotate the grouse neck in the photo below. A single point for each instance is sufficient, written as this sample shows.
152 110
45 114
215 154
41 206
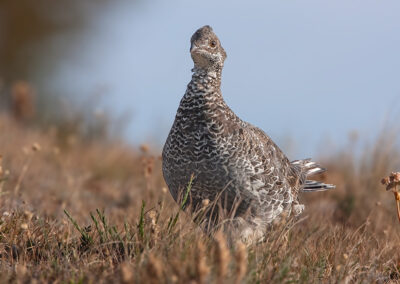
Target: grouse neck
203 94
207 78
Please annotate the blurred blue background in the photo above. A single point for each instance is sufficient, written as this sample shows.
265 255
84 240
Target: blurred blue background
307 72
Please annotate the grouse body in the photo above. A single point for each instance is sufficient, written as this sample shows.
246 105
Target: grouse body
229 158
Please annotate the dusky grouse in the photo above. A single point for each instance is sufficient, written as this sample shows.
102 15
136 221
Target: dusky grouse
230 159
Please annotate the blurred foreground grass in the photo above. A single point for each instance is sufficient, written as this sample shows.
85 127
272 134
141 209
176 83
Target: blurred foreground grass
117 226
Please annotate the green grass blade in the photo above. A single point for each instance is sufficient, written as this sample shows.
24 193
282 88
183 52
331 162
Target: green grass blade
141 220
172 224
85 236
96 223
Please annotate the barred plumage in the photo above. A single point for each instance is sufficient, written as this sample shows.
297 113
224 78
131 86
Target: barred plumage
228 155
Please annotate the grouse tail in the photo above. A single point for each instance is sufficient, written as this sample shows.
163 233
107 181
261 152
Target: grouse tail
309 168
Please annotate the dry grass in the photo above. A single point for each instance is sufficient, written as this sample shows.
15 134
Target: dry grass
23 101
119 221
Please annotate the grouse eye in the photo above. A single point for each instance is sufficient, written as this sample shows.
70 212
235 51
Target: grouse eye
213 43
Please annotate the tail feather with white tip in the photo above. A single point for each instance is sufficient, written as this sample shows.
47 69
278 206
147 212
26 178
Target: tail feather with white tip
309 168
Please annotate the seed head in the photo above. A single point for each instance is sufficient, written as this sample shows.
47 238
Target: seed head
241 261
144 148
385 180
205 202
391 181
221 257
36 147
395 177
202 268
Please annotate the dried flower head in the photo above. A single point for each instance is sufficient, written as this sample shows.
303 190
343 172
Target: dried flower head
148 165
395 177
385 180
36 147
28 215
144 148
392 182
151 219
205 202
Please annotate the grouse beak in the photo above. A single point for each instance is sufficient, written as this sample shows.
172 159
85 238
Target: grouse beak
193 48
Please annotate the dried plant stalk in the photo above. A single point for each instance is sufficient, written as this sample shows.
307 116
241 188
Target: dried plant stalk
391 182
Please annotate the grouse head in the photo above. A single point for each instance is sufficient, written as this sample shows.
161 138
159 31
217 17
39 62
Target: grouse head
206 50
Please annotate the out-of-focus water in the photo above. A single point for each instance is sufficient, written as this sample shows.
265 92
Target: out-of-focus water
309 70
